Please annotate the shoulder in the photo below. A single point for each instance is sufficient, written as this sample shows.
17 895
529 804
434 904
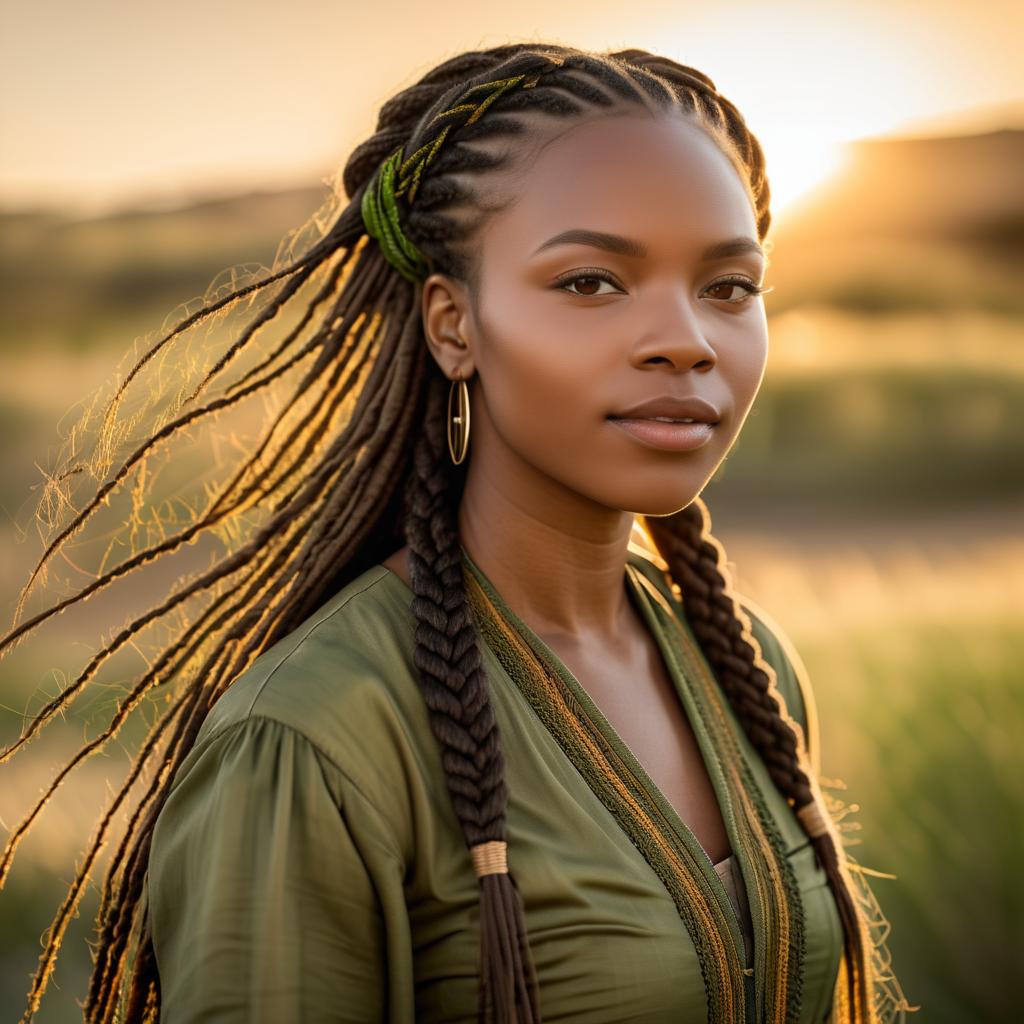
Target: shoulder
345 681
776 648
343 656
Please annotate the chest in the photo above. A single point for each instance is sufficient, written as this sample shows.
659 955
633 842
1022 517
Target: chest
640 702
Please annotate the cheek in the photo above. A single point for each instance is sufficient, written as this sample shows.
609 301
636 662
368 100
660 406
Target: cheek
547 367
742 365
539 394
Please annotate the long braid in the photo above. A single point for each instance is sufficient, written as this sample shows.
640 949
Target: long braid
697 566
325 477
455 690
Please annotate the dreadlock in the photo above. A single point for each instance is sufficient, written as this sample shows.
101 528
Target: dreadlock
317 501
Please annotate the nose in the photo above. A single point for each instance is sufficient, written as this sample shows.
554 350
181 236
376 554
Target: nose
675 333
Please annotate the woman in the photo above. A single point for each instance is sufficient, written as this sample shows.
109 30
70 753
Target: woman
475 725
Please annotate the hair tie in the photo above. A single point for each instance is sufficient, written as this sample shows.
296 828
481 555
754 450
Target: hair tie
490 858
812 819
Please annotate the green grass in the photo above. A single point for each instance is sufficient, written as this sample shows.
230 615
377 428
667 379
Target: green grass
907 436
924 723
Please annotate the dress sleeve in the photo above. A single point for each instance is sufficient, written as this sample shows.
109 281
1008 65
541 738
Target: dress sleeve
274 889
791 677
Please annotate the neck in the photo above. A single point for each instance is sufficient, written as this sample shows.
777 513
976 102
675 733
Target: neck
557 560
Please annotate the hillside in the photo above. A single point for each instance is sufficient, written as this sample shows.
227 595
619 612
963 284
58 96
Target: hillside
919 223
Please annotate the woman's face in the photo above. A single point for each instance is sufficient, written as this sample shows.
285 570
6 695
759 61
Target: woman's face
564 335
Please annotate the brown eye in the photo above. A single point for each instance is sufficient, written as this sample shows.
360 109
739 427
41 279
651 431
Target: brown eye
748 289
726 286
587 284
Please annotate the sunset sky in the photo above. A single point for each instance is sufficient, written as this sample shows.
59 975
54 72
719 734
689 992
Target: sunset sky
111 103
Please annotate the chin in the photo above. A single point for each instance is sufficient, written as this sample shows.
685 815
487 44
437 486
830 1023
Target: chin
662 509
653 498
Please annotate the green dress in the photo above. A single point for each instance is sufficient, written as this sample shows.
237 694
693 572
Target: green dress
308 866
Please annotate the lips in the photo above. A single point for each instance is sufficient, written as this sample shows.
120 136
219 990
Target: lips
668 407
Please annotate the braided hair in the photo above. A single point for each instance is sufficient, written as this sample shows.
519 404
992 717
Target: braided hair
318 500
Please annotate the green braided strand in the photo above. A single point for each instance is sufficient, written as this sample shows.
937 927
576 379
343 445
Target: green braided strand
380 215
379 207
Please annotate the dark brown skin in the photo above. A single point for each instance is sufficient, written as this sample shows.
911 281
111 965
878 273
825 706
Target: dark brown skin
552 485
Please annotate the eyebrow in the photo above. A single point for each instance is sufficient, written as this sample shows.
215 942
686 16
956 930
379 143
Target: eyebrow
630 247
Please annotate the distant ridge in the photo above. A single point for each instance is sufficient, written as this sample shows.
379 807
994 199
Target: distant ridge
964 188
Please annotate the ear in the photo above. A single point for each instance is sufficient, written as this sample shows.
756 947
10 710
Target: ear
447 324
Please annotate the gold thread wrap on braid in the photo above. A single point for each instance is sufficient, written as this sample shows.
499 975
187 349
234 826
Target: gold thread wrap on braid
812 819
490 858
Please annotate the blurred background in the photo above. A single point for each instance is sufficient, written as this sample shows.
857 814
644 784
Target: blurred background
873 505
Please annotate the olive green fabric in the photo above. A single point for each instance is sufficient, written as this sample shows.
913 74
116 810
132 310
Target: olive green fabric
307 865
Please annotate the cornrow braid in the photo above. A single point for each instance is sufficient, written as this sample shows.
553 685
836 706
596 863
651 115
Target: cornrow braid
353 462
400 176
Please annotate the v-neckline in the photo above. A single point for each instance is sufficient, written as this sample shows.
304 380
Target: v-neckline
678 678
683 834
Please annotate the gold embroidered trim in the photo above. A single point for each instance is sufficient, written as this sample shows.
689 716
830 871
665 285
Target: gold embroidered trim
779 942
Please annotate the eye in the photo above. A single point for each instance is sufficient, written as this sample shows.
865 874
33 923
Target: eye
749 289
589 277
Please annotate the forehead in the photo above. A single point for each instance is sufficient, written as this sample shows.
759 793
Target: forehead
660 179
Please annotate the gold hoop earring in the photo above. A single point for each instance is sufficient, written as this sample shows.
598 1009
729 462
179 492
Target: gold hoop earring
460 421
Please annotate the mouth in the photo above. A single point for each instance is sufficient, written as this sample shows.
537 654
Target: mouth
666 434
672 409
